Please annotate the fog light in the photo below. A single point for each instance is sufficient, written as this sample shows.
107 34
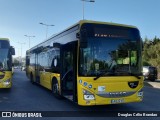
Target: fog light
7 82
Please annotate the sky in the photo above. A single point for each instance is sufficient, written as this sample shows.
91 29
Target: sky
22 17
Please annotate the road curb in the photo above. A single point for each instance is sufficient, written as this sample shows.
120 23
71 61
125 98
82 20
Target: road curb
152 84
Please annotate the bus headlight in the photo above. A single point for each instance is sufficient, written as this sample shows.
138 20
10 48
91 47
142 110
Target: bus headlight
88 95
7 82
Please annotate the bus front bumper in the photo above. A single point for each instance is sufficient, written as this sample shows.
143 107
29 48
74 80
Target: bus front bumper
5 83
97 100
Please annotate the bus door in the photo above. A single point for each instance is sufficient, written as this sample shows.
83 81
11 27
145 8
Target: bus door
68 70
37 75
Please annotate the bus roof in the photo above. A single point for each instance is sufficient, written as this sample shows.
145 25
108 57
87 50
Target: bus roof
80 23
106 23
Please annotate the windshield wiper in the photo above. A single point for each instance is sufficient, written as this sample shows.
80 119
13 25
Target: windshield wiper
132 74
102 74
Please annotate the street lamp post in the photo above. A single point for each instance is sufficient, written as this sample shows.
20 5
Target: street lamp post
18 49
46 28
21 50
29 39
83 5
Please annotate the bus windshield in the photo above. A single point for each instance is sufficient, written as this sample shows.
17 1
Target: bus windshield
108 51
4 61
109 56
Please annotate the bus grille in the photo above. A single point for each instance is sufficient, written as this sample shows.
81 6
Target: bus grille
115 94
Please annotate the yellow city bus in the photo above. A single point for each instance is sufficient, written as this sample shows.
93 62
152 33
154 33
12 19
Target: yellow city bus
90 63
6 52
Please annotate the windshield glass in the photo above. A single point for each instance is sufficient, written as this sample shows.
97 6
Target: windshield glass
109 56
4 61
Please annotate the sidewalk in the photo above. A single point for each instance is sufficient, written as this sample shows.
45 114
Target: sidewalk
155 84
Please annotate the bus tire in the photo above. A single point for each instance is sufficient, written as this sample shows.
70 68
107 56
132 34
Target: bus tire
55 88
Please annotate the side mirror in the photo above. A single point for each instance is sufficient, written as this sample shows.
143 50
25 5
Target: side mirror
142 45
27 60
77 35
83 44
12 50
83 35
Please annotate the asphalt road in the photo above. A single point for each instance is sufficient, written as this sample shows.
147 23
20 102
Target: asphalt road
24 96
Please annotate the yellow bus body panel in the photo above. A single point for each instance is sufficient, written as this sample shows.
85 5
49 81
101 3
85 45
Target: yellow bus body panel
46 79
7 76
111 85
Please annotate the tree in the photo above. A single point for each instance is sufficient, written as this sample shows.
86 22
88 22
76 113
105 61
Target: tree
151 52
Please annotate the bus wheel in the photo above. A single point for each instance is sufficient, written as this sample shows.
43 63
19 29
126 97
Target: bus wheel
55 89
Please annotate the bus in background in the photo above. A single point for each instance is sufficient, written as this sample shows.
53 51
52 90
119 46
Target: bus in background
90 63
6 52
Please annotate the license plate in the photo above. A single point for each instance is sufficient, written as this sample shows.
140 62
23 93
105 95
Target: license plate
117 101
